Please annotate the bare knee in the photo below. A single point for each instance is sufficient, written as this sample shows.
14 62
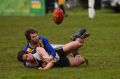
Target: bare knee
81 59
80 44
76 61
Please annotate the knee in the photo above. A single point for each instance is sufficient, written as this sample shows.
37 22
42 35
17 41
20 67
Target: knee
80 44
81 60
76 61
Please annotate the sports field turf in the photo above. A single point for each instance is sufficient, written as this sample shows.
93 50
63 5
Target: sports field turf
102 48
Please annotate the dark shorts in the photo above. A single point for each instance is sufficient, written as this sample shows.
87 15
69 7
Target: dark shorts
63 62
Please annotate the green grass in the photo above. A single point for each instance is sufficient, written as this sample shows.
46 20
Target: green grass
102 48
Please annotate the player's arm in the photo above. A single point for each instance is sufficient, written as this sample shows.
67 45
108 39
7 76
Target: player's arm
48 59
49 65
48 47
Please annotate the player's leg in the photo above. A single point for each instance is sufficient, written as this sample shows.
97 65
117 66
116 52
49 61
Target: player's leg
73 61
77 61
91 10
80 34
69 47
76 44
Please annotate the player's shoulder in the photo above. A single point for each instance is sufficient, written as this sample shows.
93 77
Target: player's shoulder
42 38
26 47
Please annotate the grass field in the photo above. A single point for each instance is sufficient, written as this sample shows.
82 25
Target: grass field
102 48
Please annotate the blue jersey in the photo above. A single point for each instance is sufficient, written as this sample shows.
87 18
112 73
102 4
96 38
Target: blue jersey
43 42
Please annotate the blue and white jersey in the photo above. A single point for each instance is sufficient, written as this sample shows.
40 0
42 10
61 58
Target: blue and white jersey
38 60
43 42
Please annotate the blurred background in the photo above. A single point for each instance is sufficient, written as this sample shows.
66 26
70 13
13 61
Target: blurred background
42 7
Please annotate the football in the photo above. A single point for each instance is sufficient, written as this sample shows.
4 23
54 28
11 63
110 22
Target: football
58 16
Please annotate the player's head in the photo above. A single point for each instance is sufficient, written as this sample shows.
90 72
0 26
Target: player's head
24 56
31 35
20 55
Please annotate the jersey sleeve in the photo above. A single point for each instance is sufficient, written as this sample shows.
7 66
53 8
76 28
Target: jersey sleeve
26 47
48 47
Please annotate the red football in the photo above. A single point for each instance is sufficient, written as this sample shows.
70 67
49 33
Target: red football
58 16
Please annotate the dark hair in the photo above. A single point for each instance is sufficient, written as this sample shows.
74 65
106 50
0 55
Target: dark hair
20 54
28 32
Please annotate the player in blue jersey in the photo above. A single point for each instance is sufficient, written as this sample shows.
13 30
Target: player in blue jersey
35 41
